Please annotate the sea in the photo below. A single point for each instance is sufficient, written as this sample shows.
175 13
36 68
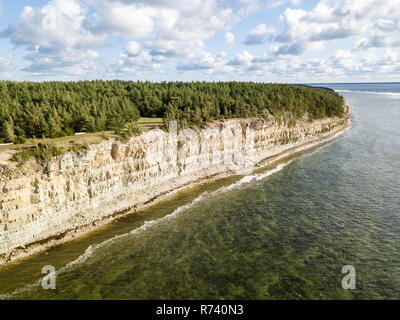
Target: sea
323 224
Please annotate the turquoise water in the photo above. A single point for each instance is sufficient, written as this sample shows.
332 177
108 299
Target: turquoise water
283 233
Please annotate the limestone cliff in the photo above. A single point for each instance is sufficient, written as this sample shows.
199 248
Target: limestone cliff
77 189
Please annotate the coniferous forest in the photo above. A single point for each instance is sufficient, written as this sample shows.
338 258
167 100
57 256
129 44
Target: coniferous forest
56 109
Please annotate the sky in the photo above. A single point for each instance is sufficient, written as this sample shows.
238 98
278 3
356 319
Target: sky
288 41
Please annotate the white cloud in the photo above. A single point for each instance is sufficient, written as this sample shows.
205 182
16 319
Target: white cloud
385 33
242 59
201 61
207 63
332 20
277 3
137 64
168 20
132 48
71 61
58 24
190 56
342 65
163 50
64 37
5 64
305 30
247 7
128 20
259 34
229 38
71 31
171 29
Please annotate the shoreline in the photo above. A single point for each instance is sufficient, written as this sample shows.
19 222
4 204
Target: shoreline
277 153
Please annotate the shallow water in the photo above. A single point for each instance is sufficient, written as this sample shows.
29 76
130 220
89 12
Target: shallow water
284 235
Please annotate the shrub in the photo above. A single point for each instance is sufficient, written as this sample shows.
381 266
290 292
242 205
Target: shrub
42 152
130 129
19 140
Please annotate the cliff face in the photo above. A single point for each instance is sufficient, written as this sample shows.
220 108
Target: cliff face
77 189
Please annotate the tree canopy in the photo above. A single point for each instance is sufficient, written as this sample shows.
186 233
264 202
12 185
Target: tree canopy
56 109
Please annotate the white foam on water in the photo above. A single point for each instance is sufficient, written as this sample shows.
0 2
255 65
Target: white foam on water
271 172
256 177
391 94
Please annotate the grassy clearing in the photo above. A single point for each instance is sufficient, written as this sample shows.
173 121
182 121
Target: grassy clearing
150 121
147 124
42 149
43 152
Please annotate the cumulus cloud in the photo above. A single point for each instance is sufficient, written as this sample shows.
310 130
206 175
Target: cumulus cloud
164 49
190 56
58 24
66 36
385 33
201 61
71 31
170 20
55 36
137 64
277 3
304 30
128 20
343 65
206 62
229 38
49 62
258 35
332 20
132 48
247 7
171 29
242 59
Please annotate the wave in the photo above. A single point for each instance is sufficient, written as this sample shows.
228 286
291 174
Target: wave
148 224
393 94
256 177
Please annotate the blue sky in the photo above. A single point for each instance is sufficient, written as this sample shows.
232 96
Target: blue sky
213 40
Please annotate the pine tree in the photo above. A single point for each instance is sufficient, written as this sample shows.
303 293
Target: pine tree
7 131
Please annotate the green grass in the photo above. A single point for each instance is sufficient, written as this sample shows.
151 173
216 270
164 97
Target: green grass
52 147
44 152
150 121
20 153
